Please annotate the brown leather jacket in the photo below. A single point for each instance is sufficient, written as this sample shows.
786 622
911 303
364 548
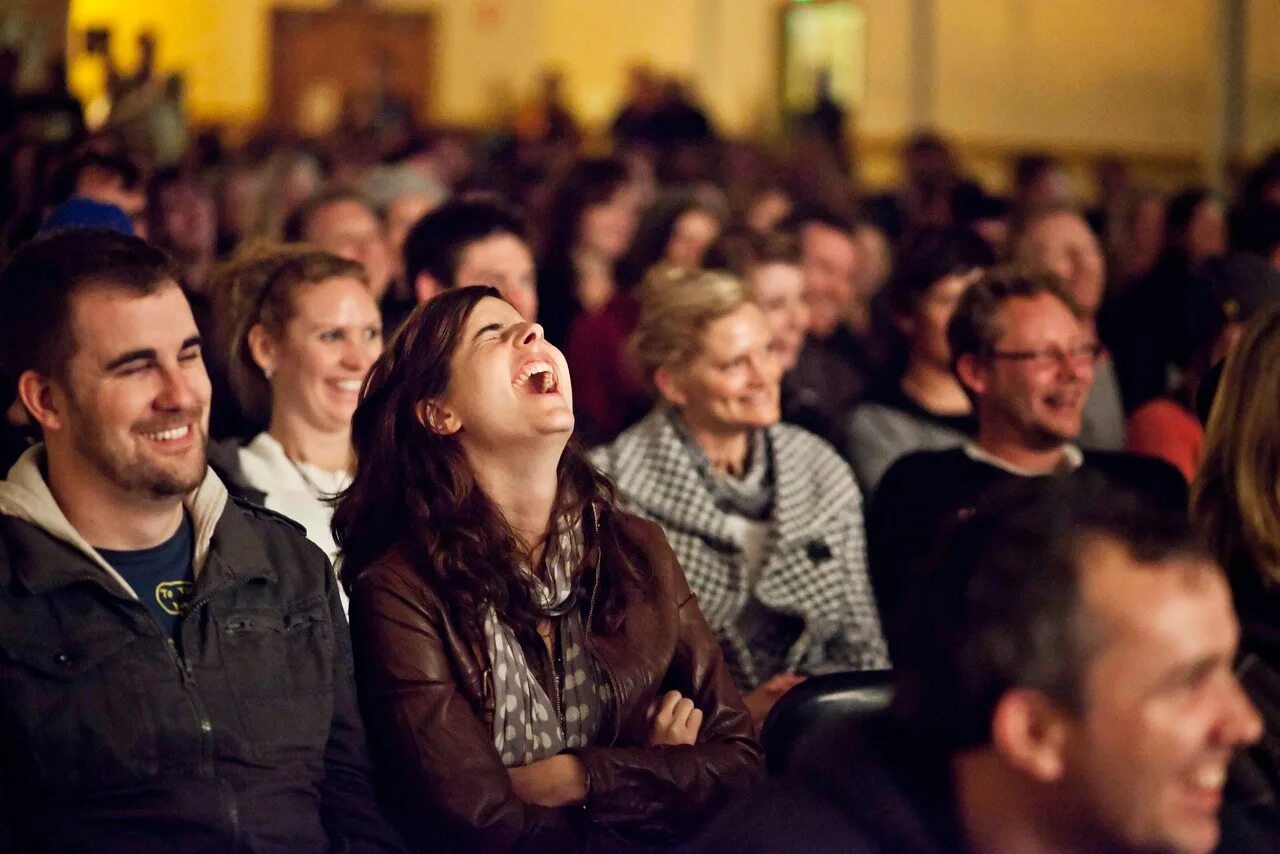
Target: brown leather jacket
424 686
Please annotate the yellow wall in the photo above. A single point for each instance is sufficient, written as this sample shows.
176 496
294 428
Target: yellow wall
1074 71
1128 75
223 47
1262 77
37 26
594 42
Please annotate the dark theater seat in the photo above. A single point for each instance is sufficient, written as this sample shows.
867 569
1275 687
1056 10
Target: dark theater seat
815 705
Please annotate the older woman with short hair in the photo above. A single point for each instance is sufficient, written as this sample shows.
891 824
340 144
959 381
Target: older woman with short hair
765 518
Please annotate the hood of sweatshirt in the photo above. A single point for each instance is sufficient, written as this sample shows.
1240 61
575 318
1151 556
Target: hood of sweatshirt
25 495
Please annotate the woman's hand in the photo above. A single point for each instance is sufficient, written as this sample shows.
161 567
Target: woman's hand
675 721
761 700
560 781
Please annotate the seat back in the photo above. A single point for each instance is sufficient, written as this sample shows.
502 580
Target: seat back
815 706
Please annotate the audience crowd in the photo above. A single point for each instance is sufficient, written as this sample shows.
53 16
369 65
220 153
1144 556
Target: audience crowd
435 489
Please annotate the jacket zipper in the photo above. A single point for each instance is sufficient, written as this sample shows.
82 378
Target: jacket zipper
615 696
202 717
202 714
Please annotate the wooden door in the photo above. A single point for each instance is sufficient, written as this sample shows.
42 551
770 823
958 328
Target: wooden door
327 61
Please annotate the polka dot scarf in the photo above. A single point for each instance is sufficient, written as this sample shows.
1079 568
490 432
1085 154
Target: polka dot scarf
526 727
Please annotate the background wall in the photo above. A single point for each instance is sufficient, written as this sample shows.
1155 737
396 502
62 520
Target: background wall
1073 75
39 27
1262 76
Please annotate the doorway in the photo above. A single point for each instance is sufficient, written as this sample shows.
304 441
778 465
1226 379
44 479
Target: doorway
350 66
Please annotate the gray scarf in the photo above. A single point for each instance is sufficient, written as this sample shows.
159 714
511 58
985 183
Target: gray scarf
750 495
527 724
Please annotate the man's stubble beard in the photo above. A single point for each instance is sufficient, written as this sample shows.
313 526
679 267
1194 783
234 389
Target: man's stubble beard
140 476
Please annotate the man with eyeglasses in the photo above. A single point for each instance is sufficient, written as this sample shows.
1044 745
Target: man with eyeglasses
1026 359
1059 240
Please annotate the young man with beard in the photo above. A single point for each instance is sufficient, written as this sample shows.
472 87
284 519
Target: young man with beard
1068 688
1027 361
175 665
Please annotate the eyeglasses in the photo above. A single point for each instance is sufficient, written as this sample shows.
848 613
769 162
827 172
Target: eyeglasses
1047 358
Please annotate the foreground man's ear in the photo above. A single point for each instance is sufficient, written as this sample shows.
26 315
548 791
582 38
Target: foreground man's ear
1030 731
35 394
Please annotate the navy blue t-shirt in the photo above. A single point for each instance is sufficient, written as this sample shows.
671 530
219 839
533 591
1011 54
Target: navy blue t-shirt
161 575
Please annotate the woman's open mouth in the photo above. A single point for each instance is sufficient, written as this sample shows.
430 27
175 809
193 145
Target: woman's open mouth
536 377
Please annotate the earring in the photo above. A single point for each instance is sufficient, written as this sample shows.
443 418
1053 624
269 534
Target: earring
267 372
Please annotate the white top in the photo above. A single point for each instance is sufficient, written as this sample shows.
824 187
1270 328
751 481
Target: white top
294 490
1072 459
753 538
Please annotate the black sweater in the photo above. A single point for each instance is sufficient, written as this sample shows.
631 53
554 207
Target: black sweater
924 494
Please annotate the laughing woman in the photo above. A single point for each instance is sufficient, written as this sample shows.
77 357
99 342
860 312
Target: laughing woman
304 330
765 517
534 671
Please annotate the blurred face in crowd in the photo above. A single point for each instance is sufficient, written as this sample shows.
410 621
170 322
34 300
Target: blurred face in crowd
1062 243
1050 188
403 212
1207 232
504 262
348 229
875 261
131 414
107 187
780 290
318 364
769 208
187 219
606 229
1146 236
506 383
830 260
732 385
928 164
694 232
926 328
238 202
1032 388
1146 758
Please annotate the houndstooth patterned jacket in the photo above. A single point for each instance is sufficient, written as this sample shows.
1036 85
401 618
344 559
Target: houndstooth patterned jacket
815 567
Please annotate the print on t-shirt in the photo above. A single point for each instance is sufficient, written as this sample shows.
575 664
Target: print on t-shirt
161 575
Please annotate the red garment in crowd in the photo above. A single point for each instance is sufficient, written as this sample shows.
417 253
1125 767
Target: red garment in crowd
1165 429
607 389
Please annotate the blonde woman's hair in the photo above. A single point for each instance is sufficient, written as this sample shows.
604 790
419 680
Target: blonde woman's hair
675 307
1235 500
257 287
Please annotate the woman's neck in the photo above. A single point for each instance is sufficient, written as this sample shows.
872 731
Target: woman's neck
523 486
935 389
727 451
330 451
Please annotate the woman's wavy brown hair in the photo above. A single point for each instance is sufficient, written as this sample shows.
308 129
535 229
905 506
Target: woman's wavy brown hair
414 491
1235 500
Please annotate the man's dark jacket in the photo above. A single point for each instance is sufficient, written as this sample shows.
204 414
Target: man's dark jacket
864 786
241 735
924 495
